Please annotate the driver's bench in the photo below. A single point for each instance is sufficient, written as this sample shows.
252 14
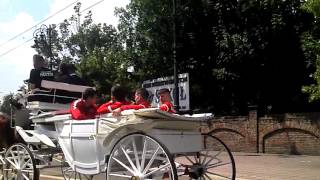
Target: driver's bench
58 96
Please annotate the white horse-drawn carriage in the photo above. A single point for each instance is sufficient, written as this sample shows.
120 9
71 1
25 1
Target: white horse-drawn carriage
143 144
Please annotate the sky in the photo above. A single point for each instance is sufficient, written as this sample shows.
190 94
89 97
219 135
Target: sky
18 15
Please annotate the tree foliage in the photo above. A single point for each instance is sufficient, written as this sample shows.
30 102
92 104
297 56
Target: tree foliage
237 52
311 47
5 105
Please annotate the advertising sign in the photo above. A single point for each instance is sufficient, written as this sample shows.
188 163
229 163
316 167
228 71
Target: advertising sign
154 85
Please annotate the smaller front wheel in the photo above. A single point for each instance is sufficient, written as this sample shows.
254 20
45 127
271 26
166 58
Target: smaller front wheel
19 163
140 157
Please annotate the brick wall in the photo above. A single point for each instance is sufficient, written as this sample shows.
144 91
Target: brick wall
297 133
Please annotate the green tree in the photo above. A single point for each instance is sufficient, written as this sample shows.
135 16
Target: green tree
6 102
95 49
311 47
237 52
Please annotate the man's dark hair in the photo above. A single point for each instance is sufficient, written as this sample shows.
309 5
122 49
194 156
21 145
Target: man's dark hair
38 58
38 61
64 68
89 93
119 93
164 90
72 68
143 92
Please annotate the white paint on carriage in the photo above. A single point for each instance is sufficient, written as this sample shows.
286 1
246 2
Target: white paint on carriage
86 143
64 86
82 145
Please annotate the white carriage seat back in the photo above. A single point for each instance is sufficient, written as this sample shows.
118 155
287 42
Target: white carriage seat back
55 100
63 86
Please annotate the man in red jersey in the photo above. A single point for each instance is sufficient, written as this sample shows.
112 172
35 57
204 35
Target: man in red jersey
165 100
118 99
141 102
85 108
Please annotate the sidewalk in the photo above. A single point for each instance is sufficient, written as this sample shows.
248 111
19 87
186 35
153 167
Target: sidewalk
277 167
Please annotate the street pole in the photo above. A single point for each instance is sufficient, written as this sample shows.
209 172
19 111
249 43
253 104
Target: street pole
174 56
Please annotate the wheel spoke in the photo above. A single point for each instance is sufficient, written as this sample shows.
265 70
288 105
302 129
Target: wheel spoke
151 160
123 165
196 158
208 177
25 163
205 158
18 156
217 165
158 169
13 157
128 158
213 157
25 177
190 160
136 154
144 153
27 171
12 163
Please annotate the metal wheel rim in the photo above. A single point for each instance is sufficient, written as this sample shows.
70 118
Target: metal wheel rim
69 174
140 157
19 164
217 163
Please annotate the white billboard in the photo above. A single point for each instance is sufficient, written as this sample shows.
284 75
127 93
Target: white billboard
154 85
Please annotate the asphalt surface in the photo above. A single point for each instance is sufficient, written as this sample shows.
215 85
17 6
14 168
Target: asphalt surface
253 167
250 167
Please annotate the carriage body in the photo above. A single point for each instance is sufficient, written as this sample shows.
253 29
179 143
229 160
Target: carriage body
142 144
87 144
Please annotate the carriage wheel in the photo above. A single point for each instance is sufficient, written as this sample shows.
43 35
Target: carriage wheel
140 157
19 164
215 161
69 174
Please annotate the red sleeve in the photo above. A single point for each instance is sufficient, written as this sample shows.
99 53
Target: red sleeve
135 107
167 107
108 107
114 106
75 111
104 108
164 107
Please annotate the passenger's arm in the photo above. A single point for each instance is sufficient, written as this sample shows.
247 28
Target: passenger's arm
103 109
135 107
77 115
165 107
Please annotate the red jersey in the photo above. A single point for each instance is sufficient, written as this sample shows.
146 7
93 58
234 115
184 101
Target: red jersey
110 106
79 110
141 105
167 107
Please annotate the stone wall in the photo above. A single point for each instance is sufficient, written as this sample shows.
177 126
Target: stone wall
297 133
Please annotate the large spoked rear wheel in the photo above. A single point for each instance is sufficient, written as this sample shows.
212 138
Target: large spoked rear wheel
69 174
215 161
19 164
140 157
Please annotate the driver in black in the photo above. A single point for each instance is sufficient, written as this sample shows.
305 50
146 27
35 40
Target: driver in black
39 73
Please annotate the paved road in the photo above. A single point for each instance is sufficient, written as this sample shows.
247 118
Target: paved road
253 167
277 167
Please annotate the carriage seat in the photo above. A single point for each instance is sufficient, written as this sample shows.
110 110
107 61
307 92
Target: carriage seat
56 96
